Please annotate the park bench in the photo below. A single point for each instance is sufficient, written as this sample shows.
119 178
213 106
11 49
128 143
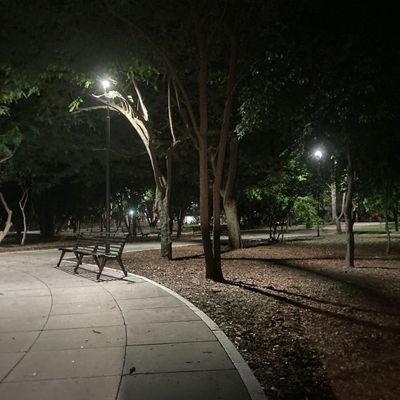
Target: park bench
100 247
148 230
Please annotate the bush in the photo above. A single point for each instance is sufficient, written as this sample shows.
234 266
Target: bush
305 211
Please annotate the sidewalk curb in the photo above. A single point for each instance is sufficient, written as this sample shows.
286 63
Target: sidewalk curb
250 381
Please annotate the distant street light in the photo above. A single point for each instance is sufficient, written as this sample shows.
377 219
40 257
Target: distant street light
106 84
318 156
132 223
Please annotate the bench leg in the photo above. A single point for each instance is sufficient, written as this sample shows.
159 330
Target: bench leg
62 256
101 264
122 266
79 258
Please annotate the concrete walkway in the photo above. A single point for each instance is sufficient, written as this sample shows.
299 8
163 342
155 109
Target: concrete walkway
63 336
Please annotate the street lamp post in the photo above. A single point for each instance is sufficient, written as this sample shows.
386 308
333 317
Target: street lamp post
106 84
132 228
318 156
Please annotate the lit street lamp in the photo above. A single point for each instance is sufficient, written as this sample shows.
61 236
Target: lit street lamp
318 156
132 223
106 84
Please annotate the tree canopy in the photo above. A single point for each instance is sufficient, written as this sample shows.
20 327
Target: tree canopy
247 88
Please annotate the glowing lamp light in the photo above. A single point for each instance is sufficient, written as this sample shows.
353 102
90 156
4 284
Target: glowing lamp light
318 154
131 212
106 84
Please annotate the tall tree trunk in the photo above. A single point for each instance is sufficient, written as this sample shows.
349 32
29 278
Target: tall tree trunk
339 217
204 209
203 151
332 187
387 228
219 169
180 219
396 215
234 233
229 197
22 204
8 223
348 213
165 234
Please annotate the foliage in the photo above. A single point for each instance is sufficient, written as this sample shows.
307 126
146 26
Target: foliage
305 211
269 201
16 88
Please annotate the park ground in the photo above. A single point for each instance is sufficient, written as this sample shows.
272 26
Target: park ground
309 327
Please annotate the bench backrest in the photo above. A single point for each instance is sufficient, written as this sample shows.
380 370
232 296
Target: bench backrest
113 246
86 243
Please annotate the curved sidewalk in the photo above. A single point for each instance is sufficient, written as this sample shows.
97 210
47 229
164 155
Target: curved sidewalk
63 336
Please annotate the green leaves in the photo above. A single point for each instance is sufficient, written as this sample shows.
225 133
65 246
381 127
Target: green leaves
9 142
74 105
16 85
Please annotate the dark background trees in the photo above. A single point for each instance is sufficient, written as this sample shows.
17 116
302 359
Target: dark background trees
248 89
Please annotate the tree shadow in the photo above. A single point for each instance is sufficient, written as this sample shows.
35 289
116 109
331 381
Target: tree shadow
289 298
361 283
319 301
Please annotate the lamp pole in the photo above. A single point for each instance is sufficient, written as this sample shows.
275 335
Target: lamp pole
132 230
318 156
106 85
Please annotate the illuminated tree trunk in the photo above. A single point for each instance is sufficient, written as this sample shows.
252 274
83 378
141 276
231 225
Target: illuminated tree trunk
22 204
138 117
229 197
165 233
8 224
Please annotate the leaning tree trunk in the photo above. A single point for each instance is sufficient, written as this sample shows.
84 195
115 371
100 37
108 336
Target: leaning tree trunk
348 212
8 223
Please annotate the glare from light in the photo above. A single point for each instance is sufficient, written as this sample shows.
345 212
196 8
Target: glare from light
106 84
318 154
131 212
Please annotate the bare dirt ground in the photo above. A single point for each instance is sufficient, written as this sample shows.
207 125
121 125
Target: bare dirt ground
308 327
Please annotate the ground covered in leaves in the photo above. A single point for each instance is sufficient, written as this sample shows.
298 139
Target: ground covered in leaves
308 327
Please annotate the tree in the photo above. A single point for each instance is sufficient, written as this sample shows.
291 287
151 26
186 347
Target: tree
135 111
206 19
8 222
352 68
